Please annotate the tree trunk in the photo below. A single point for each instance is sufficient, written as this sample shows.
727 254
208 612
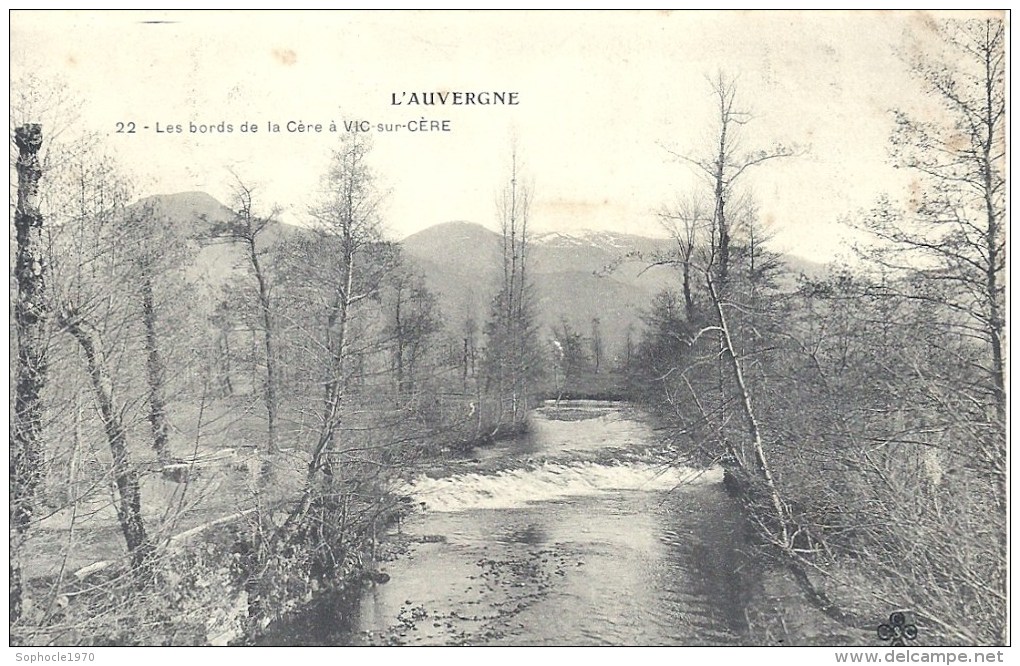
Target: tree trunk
336 337
753 431
154 369
228 386
30 372
688 297
128 492
400 350
720 200
996 325
270 347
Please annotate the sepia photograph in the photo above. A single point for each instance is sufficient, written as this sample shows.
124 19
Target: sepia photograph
509 328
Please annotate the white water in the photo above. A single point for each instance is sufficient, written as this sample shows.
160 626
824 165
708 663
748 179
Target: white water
515 488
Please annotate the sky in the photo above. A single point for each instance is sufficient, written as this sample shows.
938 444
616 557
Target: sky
606 102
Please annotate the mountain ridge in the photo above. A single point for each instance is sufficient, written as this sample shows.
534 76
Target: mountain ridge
578 276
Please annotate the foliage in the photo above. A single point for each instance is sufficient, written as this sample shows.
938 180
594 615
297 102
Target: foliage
876 392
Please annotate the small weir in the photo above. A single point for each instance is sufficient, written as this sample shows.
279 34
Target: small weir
577 534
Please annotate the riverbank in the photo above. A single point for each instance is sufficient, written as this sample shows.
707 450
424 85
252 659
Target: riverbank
195 587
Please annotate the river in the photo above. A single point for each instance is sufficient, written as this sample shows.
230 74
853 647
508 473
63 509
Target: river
579 533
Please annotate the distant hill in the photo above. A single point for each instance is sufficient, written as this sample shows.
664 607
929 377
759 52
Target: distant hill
577 276
195 215
196 209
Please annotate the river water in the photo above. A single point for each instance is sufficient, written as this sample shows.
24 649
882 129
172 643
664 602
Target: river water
580 533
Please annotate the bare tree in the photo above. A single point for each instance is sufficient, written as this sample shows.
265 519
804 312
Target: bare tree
573 359
336 277
93 308
128 490
724 169
940 281
30 315
152 250
758 463
953 230
249 229
348 220
512 340
597 349
470 351
414 320
688 221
